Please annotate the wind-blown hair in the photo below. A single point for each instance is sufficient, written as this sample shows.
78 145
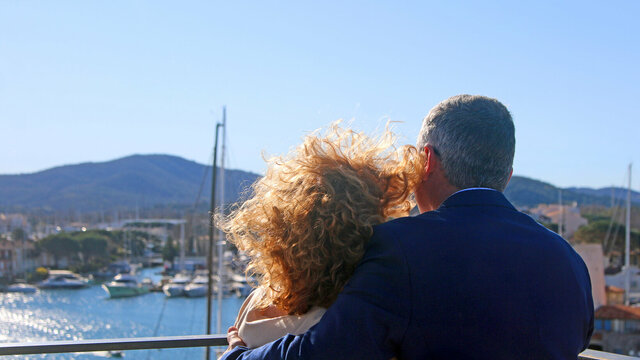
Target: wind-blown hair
310 217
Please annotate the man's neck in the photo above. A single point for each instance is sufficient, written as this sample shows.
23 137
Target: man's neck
435 196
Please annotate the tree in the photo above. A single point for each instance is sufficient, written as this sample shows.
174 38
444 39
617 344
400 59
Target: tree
18 234
596 232
551 226
59 245
92 246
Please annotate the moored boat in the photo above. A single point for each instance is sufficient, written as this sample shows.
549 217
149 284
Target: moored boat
124 285
113 269
21 288
239 285
176 286
241 289
197 287
63 279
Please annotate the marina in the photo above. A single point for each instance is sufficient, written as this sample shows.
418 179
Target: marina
89 313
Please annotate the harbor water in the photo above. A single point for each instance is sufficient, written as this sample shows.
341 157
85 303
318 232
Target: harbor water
90 314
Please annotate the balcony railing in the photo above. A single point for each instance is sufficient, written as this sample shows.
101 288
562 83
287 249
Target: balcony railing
138 343
165 342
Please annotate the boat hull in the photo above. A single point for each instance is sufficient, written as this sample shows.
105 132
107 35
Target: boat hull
124 291
21 288
195 291
173 290
68 285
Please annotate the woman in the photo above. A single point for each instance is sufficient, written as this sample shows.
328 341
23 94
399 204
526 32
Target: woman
308 222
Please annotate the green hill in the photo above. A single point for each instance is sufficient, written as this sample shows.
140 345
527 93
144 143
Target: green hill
526 192
137 180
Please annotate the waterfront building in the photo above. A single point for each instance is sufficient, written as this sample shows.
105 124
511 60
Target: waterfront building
6 257
617 329
619 280
9 222
18 257
569 215
615 295
593 257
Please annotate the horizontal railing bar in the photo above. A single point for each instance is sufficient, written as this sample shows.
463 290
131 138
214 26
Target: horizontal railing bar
164 342
601 355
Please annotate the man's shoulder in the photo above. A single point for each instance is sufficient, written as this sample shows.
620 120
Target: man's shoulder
430 222
430 218
463 224
411 232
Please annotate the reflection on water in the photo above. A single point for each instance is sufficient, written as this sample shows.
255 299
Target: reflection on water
89 314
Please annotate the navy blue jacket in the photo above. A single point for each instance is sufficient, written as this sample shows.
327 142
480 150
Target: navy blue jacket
474 279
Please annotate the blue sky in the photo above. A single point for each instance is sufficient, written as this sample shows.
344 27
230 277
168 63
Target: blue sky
97 80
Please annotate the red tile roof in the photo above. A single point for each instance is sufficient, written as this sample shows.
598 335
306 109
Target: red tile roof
613 289
620 312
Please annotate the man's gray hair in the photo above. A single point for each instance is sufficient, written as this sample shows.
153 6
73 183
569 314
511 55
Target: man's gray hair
474 137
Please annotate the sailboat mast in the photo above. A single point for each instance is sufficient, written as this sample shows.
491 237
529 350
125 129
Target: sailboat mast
561 215
210 247
181 265
221 241
627 242
125 244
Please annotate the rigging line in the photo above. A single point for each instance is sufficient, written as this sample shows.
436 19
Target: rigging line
195 204
155 331
232 162
608 246
616 207
193 315
615 234
204 176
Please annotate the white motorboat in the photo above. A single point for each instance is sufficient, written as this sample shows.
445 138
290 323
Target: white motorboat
176 286
239 285
63 279
124 285
21 288
197 287
241 289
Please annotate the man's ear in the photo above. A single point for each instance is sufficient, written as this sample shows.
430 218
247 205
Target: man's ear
431 163
510 173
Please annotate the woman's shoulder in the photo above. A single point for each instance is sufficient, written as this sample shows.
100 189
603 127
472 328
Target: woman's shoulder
258 325
249 304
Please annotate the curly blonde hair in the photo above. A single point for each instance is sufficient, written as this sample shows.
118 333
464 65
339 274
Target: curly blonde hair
307 224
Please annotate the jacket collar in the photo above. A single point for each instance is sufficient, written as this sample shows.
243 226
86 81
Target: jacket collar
475 197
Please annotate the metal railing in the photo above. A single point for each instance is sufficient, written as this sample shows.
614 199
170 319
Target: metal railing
601 355
139 343
166 342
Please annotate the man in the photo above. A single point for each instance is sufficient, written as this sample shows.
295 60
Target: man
469 278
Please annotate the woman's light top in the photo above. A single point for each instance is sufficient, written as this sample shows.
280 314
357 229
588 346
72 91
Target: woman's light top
258 327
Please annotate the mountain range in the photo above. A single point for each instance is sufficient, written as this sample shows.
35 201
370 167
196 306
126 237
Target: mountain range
152 180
